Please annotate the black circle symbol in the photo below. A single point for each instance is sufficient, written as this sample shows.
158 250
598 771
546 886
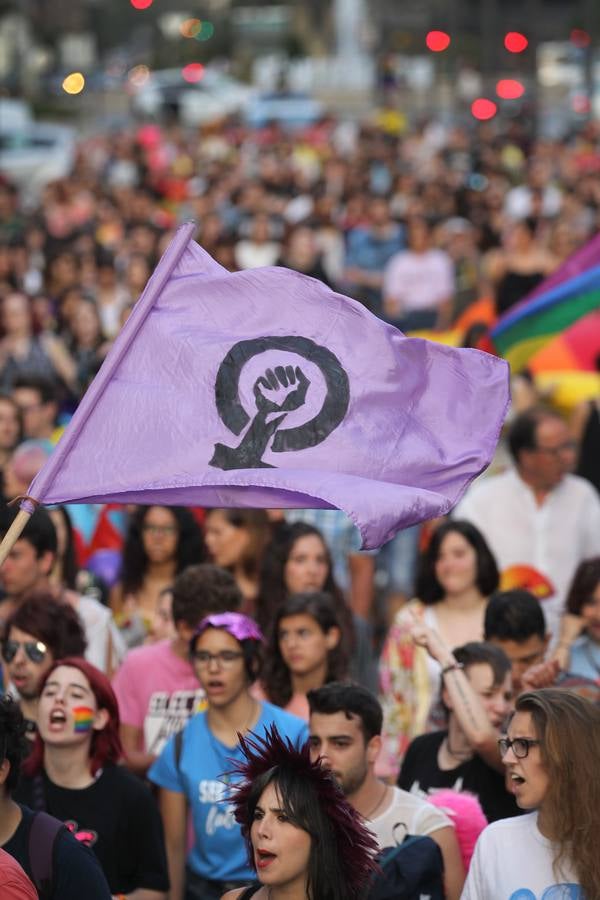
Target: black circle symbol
235 417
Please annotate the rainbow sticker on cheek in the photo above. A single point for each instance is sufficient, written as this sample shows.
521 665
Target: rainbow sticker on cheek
84 718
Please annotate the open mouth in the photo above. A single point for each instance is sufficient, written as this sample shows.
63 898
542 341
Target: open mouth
264 858
516 780
57 717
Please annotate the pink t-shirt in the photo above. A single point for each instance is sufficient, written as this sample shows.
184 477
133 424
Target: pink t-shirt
297 705
157 692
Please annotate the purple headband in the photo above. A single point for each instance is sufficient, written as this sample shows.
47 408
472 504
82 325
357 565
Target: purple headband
239 626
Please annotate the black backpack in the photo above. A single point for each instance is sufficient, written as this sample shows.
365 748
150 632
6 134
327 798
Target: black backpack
43 834
413 870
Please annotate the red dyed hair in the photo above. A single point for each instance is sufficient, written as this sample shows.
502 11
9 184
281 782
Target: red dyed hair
106 744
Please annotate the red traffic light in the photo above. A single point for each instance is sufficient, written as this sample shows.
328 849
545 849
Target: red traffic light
437 41
515 42
509 89
193 72
483 109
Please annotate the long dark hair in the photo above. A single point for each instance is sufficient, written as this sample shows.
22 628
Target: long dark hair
487 578
190 546
277 678
69 557
342 852
273 591
256 523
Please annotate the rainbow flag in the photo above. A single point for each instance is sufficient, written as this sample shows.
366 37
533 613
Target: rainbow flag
84 718
566 296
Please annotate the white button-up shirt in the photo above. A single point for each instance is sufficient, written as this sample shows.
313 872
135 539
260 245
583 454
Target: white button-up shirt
552 537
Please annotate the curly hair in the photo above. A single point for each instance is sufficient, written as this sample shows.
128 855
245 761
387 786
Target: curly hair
342 853
13 743
105 748
568 728
277 678
428 588
273 590
201 590
47 619
190 546
585 581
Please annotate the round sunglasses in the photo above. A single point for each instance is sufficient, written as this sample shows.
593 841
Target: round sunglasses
35 650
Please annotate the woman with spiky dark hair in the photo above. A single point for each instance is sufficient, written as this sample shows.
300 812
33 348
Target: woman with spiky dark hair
304 839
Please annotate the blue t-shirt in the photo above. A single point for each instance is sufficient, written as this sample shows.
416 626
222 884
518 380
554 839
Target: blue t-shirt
219 851
585 658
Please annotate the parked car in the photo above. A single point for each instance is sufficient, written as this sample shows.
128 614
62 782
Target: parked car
289 109
33 153
166 93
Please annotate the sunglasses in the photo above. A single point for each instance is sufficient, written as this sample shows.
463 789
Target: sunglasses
35 650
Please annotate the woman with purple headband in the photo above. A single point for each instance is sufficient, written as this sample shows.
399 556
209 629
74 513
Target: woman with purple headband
192 771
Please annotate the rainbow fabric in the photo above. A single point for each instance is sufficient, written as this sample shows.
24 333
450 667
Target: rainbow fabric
524 330
84 717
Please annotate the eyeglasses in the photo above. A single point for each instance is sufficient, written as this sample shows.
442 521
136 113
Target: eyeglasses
166 530
567 447
519 746
225 658
35 650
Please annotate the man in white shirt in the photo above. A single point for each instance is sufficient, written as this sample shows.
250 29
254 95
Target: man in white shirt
345 731
418 283
537 514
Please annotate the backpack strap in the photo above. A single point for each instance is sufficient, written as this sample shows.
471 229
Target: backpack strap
42 838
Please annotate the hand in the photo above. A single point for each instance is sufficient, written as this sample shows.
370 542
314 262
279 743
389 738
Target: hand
541 675
428 638
273 381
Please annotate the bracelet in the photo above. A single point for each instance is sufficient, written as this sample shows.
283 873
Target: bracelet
451 667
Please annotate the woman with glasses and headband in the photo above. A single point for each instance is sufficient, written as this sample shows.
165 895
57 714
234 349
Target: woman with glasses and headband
192 769
551 755
38 632
161 542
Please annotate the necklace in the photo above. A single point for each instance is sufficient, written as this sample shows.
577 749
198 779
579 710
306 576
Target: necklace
370 815
464 755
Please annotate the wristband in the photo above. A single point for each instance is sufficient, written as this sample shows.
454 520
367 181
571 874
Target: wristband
451 667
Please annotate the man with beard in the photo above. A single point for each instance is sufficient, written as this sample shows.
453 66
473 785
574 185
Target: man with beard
345 731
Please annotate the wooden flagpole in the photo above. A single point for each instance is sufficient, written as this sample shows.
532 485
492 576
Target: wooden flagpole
13 533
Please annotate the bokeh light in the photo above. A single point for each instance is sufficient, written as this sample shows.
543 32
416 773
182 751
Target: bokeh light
515 42
580 104
580 38
437 41
190 28
141 4
483 109
206 31
139 75
510 89
193 72
73 83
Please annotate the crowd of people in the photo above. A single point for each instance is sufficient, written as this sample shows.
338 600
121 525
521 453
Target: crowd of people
207 703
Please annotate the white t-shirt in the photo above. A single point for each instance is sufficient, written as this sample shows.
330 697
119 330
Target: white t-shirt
407 814
552 538
418 281
101 633
513 861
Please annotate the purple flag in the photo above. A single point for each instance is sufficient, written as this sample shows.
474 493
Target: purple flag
264 388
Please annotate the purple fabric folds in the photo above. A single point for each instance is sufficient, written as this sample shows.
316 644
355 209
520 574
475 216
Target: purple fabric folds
264 388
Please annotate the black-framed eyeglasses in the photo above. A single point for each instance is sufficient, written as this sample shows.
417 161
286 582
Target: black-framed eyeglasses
519 746
225 658
35 650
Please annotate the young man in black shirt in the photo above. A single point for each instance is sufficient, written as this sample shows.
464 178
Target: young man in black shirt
476 691
70 869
